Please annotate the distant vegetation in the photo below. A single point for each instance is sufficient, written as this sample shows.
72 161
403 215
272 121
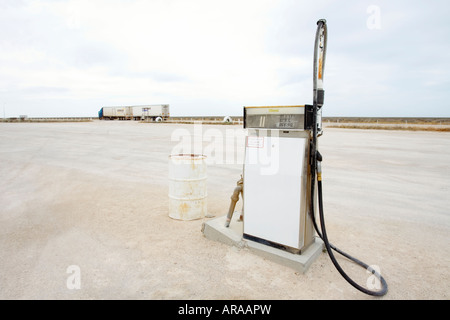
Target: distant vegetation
409 124
433 121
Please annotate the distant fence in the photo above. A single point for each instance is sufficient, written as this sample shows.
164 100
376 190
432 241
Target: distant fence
52 119
206 120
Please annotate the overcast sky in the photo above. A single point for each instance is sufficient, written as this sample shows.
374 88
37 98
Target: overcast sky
212 57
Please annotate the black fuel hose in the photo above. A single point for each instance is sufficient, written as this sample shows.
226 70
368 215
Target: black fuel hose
320 49
330 248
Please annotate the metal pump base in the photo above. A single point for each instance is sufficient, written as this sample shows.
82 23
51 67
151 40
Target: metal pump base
215 229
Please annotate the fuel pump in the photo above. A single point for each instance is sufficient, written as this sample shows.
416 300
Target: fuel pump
282 169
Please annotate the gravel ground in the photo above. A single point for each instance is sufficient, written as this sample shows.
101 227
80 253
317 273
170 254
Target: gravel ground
91 200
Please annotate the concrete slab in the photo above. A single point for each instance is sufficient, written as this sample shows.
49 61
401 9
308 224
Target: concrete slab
233 235
103 185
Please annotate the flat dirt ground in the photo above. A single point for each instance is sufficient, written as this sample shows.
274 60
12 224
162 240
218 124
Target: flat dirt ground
95 196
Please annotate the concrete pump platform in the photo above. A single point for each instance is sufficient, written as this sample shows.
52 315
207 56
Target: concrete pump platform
215 229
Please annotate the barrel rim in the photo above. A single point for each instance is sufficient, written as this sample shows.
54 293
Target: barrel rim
189 156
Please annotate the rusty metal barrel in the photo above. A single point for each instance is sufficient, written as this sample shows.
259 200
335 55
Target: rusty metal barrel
187 187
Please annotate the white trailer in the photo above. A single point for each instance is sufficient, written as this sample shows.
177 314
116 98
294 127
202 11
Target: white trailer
137 113
120 113
107 113
158 112
112 113
155 112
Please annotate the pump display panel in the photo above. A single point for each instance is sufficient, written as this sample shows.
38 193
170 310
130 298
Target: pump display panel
280 117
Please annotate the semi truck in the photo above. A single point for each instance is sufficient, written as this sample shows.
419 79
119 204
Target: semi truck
156 112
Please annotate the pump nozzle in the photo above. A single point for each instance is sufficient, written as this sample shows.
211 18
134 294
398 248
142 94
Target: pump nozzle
320 49
318 156
319 166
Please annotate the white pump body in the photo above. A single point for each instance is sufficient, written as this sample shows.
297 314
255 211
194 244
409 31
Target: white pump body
276 177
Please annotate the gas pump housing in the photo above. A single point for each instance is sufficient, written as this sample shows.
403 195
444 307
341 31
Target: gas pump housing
277 176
